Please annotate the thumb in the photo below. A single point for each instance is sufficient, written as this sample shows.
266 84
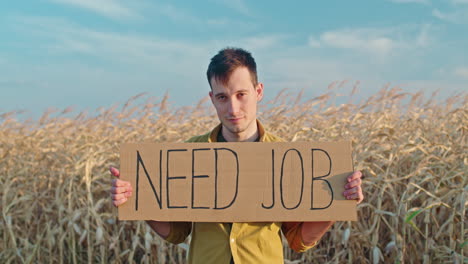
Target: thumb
114 171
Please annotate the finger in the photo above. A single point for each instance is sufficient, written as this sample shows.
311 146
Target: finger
124 194
114 171
120 183
356 196
354 175
361 198
128 193
117 203
119 196
352 191
118 190
354 183
353 196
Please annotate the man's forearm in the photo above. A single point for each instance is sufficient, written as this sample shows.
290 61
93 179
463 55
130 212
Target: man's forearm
312 231
162 228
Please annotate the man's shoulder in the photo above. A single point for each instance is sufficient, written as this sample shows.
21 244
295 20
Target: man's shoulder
268 137
200 138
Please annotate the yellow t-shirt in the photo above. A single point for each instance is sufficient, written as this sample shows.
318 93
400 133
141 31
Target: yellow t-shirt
258 242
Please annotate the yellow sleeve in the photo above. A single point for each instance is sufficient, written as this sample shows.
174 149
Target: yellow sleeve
293 233
179 232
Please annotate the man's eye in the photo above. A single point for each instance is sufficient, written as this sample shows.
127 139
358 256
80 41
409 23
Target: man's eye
221 97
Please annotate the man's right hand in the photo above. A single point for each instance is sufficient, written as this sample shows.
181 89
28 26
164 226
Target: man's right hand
120 190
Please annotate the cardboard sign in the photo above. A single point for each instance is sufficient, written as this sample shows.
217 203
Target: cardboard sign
237 182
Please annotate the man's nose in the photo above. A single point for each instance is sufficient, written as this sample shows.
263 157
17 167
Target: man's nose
233 106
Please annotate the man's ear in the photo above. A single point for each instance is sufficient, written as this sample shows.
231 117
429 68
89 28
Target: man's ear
259 91
210 93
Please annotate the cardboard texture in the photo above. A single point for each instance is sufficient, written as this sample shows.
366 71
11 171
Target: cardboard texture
237 182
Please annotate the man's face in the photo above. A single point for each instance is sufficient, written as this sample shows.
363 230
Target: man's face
236 102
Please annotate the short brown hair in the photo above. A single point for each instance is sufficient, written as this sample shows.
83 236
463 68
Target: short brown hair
226 61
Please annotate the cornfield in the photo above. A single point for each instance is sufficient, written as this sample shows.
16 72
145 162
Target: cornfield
412 149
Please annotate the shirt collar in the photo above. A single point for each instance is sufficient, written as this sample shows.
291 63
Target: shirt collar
214 133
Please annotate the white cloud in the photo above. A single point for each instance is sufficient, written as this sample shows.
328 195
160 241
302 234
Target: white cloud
177 14
460 2
423 38
61 37
380 42
298 70
237 5
359 40
442 16
460 16
313 42
259 42
147 59
116 9
461 72
64 37
109 8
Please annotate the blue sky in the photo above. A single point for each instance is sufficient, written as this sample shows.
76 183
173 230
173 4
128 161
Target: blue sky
93 53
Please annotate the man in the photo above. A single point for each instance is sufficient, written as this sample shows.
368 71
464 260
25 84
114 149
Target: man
235 92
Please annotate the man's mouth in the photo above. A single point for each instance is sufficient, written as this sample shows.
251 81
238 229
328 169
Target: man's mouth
234 119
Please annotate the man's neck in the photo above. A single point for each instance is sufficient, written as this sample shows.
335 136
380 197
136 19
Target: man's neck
240 137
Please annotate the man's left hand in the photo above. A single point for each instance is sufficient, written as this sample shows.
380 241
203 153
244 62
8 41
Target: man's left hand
353 190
